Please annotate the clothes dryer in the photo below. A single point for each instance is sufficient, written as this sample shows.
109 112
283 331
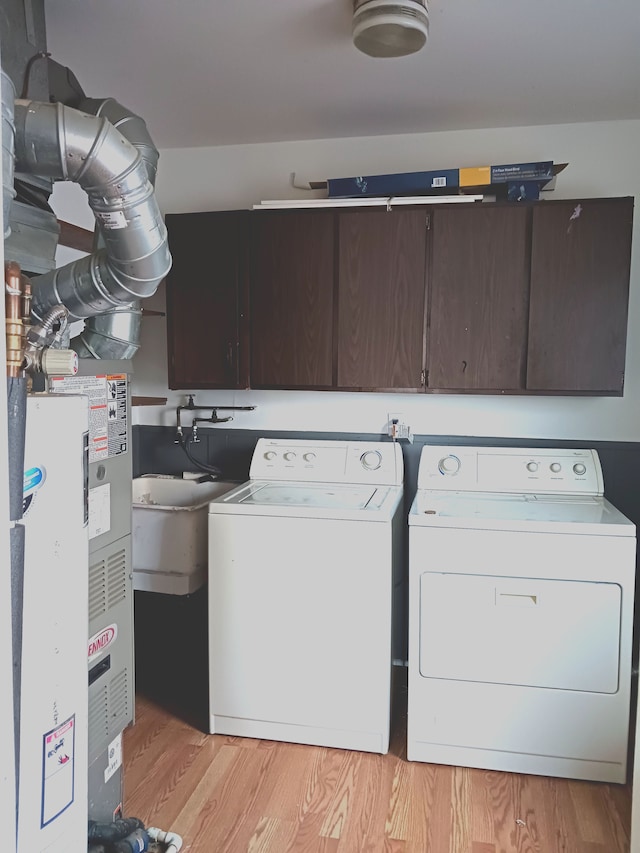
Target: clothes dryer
521 591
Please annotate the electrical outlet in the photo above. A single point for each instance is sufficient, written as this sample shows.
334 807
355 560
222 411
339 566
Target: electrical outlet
394 418
397 428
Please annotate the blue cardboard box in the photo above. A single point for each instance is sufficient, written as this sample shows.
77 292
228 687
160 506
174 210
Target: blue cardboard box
505 181
406 183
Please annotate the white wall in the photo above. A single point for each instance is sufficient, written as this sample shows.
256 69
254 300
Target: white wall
602 161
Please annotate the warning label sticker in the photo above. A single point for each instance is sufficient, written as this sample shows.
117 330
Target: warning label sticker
117 413
99 510
107 410
115 758
57 770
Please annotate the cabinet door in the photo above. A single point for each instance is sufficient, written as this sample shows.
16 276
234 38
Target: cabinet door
479 290
381 275
292 281
205 340
580 258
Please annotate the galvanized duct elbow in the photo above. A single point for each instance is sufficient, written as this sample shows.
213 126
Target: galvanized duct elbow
62 143
113 335
116 333
130 125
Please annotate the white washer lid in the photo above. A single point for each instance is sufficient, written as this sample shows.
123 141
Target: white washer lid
543 513
311 495
310 500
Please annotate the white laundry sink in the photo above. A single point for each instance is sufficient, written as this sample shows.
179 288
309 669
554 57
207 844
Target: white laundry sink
169 542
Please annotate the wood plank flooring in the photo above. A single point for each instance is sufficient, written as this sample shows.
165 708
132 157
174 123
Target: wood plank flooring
239 795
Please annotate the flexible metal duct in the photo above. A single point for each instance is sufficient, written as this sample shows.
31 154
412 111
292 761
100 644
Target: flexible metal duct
60 142
116 333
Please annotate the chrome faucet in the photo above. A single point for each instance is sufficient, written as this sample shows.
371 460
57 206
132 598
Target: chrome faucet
190 406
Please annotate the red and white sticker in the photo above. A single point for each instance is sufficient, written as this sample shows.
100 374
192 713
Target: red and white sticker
58 761
101 641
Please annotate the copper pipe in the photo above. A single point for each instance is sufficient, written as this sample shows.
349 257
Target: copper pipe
14 328
26 300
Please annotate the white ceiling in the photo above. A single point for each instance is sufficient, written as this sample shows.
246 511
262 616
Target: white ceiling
217 72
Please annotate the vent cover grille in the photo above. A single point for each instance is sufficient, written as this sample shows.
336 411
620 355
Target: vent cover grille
98 722
117 578
110 711
107 583
119 703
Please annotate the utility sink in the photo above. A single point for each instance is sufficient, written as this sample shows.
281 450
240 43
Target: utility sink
169 546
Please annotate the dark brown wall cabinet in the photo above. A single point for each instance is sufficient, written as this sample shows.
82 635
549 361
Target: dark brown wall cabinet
479 297
337 299
580 261
292 299
206 310
381 299
478 285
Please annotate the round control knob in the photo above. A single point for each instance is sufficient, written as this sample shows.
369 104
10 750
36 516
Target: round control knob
59 362
579 468
289 455
532 467
555 467
449 465
270 454
371 460
309 457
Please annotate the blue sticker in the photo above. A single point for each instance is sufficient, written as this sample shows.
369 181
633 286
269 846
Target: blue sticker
34 479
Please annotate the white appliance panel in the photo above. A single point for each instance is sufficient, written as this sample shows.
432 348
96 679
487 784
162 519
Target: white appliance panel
510 470
302 654
375 462
499 727
532 513
513 553
53 798
527 631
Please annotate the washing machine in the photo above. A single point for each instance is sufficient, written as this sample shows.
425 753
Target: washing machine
521 593
303 561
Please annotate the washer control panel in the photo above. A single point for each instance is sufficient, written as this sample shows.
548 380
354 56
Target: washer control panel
375 462
511 470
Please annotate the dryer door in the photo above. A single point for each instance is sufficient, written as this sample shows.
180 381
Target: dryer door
524 631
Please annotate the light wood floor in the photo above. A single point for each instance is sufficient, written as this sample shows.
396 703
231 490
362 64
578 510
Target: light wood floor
238 795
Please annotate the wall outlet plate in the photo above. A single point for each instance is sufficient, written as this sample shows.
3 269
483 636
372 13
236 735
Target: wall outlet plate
397 429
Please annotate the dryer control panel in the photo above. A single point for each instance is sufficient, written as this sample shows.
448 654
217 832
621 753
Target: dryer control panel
375 462
511 470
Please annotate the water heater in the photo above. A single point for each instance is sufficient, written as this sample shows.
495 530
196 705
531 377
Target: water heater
52 778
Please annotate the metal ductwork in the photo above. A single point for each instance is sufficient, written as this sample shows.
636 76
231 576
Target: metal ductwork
62 143
116 333
130 125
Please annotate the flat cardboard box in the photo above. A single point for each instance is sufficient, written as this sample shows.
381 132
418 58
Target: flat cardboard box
503 180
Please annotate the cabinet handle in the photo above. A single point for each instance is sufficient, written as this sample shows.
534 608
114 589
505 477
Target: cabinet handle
515 599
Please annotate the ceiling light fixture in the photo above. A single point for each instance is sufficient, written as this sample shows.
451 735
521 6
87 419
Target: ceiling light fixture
390 27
